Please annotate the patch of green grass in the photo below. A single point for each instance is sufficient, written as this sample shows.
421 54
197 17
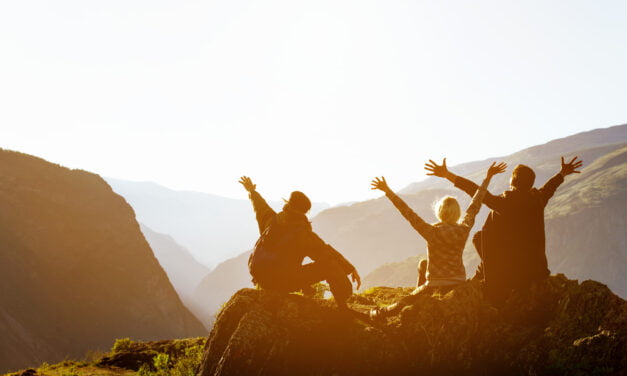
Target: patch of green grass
122 344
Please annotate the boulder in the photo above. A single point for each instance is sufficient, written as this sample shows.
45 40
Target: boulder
559 327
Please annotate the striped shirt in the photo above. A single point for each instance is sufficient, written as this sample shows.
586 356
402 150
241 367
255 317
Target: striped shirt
445 242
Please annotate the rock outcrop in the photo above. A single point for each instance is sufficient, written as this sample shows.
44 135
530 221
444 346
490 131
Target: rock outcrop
561 327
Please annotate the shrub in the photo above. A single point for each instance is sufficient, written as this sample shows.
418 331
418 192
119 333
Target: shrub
122 344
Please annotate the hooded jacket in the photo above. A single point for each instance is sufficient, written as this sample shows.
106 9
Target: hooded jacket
300 240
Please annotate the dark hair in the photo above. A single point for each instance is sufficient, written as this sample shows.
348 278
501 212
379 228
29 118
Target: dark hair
523 178
298 202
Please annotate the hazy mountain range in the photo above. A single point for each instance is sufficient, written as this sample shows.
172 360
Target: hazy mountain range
212 228
585 225
76 271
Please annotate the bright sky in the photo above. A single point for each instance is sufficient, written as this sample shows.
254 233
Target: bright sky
318 95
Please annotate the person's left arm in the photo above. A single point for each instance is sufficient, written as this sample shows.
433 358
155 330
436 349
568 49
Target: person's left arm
548 189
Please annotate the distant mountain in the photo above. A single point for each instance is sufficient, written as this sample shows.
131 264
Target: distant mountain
183 270
395 274
586 223
76 271
585 220
217 287
541 158
211 227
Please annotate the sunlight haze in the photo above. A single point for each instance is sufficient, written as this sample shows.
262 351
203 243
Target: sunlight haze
318 96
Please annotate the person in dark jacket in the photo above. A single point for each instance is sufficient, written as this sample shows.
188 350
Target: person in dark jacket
290 235
511 243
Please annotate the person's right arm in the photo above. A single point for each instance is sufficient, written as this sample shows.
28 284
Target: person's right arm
263 211
490 200
475 204
423 228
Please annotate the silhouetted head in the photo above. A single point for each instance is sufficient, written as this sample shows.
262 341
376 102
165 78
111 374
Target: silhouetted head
447 210
298 202
522 178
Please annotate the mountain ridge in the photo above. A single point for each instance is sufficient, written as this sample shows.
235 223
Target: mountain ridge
76 268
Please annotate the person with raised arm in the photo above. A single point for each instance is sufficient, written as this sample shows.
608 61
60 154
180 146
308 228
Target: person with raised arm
511 243
444 267
286 238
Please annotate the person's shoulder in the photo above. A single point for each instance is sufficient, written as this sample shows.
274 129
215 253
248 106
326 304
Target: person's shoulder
449 227
507 194
535 193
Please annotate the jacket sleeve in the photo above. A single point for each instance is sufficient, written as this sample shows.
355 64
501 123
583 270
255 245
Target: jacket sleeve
423 228
548 189
493 202
263 211
319 250
475 204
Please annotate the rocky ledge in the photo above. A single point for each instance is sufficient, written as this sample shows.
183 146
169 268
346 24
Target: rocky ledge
561 327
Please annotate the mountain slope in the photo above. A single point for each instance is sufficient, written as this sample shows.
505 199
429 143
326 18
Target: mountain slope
76 271
183 270
590 144
217 287
586 223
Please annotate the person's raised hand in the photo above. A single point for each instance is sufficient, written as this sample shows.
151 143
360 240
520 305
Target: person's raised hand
380 184
435 170
496 168
356 278
571 167
247 183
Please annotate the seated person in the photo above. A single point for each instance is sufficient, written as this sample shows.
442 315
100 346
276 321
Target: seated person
286 239
445 241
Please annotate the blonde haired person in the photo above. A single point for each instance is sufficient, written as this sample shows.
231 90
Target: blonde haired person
445 240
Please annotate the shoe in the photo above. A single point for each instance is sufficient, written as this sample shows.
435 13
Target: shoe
378 314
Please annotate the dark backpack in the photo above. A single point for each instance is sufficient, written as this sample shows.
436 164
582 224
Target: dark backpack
266 259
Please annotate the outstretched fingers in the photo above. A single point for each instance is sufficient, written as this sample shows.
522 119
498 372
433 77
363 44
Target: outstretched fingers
378 183
247 183
572 166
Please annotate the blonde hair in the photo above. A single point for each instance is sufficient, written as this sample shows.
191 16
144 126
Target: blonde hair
447 210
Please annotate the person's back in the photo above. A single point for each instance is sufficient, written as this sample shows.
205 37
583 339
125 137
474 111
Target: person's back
445 246
513 248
